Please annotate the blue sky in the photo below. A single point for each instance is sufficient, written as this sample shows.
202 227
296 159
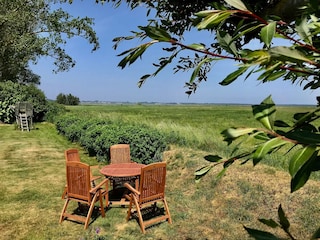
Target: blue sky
97 77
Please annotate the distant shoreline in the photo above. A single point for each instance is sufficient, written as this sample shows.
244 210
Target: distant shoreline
180 103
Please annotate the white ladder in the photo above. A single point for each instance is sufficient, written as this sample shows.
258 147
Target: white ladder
24 122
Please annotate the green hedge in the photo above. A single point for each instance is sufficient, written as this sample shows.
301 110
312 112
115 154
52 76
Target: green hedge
96 136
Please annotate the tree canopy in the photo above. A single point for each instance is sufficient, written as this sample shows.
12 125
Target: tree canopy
32 29
287 33
234 26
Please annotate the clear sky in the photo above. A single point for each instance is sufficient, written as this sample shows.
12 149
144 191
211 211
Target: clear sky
96 75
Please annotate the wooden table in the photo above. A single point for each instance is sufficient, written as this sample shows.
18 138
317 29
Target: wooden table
121 170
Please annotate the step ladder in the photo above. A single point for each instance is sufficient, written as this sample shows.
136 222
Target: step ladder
24 125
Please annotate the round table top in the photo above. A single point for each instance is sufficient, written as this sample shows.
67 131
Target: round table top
122 169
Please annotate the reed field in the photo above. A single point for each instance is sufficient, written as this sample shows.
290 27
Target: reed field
32 180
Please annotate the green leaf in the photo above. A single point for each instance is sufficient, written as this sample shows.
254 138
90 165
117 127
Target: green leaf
221 173
245 29
300 158
305 117
256 57
274 75
237 4
260 235
198 68
280 123
233 76
197 46
236 132
143 79
206 13
283 219
286 53
156 33
202 172
304 137
304 31
266 148
225 41
228 163
213 158
265 112
303 174
267 33
269 222
133 54
272 72
214 19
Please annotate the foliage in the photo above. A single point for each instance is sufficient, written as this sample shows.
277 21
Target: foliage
282 223
6 111
31 29
11 93
96 136
297 63
67 99
301 136
53 111
236 24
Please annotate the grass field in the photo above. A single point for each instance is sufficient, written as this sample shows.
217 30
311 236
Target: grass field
33 176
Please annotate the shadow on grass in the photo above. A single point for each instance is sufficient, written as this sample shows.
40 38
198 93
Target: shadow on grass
82 210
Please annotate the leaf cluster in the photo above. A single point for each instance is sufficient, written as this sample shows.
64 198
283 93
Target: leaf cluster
31 29
236 24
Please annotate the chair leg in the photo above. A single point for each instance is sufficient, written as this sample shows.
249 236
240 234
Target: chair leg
103 214
167 210
90 210
142 226
63 210
129 210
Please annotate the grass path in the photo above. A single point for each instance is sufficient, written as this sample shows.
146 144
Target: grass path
32 177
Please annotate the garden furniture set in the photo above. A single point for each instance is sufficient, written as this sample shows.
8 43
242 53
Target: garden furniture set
138 186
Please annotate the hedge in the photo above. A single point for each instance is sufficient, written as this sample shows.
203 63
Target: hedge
96 136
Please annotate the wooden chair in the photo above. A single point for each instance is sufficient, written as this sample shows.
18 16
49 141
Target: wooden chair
79 189
151 191
119 153
72 155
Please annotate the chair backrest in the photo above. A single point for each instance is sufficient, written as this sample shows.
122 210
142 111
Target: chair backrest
78 180
152 182
120 153
72 155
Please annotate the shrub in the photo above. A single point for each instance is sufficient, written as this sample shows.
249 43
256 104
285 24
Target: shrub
96 136
54 110
7 114
12 93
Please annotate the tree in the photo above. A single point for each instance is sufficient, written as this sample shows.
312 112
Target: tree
235 24
31 29
68 99
12 93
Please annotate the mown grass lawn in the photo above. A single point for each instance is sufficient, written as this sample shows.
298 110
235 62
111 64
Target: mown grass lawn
32 178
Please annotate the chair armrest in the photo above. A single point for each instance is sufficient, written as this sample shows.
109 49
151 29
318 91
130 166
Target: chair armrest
105 181
94 178
132 189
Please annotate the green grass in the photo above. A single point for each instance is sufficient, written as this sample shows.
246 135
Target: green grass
32 176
